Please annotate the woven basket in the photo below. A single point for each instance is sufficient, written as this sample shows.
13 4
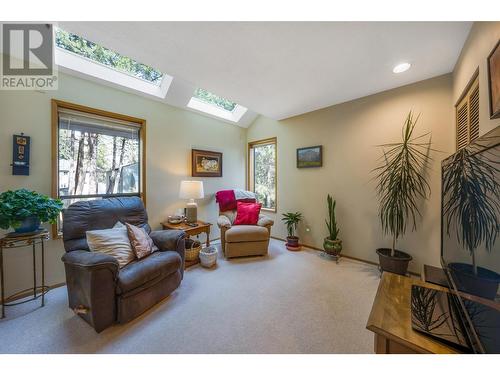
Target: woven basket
208 256
193 248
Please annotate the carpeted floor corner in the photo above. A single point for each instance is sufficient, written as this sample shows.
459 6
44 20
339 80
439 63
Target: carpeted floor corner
288 302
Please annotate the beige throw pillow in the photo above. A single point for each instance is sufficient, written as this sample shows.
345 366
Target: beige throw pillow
141 243
114 242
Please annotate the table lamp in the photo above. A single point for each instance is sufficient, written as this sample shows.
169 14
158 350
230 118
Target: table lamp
191 190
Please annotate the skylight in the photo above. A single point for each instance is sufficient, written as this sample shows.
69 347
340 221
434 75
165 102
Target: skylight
214 105
215 100
90 50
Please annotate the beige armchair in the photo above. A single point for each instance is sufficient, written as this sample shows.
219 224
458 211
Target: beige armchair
244 240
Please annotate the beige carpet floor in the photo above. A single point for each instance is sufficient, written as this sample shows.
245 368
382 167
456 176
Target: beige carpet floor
288 302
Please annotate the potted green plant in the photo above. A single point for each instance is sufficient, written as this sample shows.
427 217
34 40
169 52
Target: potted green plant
401 185
471 190
24 210
332 244
291 220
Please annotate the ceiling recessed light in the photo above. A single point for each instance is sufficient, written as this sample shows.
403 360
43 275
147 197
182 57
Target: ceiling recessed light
400 68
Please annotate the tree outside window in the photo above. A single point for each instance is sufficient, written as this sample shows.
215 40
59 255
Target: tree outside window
262 169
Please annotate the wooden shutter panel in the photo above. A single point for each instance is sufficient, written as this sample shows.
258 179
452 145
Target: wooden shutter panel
467 115
462 126
474 115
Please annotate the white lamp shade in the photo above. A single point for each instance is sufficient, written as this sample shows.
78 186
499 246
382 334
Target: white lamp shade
191 190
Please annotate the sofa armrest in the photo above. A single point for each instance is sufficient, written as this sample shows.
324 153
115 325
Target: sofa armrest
89 259
170 240
265 221
223 222
91 282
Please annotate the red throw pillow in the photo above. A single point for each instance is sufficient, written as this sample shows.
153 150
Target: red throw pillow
247 213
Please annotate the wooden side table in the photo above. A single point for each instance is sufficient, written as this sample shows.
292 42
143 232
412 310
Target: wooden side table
390 319
12 241
202 227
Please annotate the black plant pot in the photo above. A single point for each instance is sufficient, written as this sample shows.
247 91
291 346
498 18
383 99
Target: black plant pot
484 284
395 264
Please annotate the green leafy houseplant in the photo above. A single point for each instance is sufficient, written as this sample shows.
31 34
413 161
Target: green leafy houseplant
401 185
291 220
332 244
19 205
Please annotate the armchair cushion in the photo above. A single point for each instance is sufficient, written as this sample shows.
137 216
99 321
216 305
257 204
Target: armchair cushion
151 268
247 233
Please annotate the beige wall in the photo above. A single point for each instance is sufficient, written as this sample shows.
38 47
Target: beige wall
349 133
171 133
481 40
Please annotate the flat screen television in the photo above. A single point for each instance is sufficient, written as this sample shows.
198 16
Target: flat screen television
470 246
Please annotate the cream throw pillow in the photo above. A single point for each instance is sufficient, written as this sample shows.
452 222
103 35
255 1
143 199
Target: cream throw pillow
114 242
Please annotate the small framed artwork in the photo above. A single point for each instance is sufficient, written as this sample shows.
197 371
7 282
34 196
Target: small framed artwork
493 62
206 163
310 157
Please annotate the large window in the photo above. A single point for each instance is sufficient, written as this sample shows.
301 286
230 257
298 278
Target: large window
95 52
97 154
213 99
215 105
262 171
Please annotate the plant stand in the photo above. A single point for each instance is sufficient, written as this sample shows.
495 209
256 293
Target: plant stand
14 240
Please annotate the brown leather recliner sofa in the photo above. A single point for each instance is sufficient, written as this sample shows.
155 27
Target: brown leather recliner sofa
100 292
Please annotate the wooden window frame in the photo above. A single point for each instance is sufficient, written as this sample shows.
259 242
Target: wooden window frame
59 104
465 98
251 145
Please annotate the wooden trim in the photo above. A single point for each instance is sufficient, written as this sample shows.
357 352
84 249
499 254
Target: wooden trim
343 255
272 140
55 106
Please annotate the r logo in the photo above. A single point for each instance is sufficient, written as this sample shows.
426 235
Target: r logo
27 50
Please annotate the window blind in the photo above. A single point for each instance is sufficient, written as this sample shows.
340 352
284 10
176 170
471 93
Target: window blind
86 122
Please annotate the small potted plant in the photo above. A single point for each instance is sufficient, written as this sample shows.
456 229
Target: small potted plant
291 220
402 184
332 245
24 210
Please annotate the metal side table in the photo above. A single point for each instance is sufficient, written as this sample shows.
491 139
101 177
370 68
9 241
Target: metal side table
16 240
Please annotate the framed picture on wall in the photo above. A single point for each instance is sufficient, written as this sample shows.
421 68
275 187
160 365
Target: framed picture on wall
310 157
206 163
494 81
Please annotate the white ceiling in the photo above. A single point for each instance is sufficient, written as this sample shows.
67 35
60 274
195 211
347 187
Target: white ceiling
283 69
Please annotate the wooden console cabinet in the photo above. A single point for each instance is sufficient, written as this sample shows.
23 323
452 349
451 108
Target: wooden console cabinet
390 319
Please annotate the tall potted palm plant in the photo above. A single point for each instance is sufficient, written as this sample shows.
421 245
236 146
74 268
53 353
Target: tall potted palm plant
401 185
